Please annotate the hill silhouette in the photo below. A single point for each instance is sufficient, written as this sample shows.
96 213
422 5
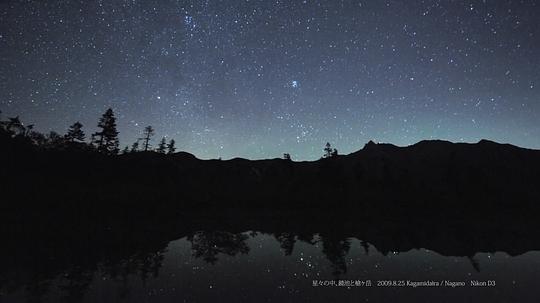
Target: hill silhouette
427 177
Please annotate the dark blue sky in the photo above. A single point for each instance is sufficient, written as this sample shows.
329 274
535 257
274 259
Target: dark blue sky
259 78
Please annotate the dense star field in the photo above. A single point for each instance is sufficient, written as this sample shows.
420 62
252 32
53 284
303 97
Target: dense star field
259 78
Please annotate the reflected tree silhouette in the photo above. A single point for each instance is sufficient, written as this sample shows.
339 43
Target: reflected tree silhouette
365 245
208 244
306 237
286 242
475 264
150 264
336 249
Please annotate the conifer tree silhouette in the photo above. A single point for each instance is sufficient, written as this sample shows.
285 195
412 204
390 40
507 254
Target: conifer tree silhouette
148 133
75 133
162 146
135 146
170 147
106 140
327 150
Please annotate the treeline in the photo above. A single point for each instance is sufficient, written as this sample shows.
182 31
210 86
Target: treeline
105 140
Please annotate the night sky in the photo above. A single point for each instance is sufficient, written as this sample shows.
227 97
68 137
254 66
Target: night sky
259 78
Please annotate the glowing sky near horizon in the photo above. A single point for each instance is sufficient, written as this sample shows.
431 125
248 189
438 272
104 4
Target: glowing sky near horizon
260 78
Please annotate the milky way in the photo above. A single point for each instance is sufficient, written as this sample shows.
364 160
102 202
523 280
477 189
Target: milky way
259 78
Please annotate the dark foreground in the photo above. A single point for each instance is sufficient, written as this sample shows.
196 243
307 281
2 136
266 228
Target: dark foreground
80 226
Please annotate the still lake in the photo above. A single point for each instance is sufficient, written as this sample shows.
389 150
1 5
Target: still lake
252 266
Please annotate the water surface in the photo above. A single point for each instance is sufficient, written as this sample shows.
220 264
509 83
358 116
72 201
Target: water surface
253 266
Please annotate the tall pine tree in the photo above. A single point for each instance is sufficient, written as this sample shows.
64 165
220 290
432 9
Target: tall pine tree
106 140
328 150
148 133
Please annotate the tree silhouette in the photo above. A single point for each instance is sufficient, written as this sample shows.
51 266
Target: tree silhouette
149 263
38 139
329 152
135 146
125 150
170 147
287 156
286 242
475 264
335 249
28 130
208 244
162 146
15 127
365 245
54 140
75 133
148 133
106 140
3 127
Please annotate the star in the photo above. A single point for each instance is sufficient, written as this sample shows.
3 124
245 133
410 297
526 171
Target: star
271 78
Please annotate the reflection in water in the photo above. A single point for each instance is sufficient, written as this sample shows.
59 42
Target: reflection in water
335 249
206 265
277 258
207 245
286 242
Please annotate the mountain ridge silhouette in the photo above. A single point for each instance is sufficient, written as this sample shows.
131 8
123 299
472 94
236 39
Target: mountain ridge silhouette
468 175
